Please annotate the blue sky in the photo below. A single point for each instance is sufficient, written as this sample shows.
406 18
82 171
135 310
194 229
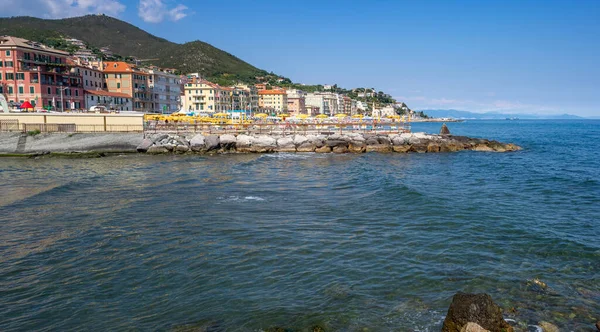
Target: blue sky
512 56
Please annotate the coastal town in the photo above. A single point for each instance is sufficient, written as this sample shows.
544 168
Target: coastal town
39 78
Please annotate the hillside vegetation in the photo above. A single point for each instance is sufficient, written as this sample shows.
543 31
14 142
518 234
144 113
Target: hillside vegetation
127 40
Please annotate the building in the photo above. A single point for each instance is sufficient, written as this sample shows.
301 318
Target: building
110 100
296 101
33 72
246 99
206 97
261 86
92 77
273 100
312 110
383 112
165 90
316 101
122 77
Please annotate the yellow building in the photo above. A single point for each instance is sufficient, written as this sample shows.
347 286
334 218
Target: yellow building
273 100
206 97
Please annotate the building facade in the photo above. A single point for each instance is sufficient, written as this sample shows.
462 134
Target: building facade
122 77
273 101
296 101
32 72
110 100
206 97
165 90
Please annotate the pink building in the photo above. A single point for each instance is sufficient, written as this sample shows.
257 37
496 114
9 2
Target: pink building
33 72
296 105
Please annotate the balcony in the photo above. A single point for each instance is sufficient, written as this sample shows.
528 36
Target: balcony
42 62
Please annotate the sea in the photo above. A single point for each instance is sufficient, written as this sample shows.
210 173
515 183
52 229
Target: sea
301 242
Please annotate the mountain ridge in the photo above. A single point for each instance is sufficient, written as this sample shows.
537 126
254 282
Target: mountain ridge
452 113
128 40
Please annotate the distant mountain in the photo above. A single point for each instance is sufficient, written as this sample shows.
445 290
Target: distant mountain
127 40
493 115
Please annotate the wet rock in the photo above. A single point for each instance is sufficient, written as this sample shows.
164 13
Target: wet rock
264 143
299 140
372 141
340 149
212 142
159 137
144 145
418 147
383 148
385 140
306 147
169 146
475 308
243 143
323 149
157 149
598 325
227 141
444 130
181 148
482 148
333 143
548 327
433 147
357 147
473 327
197 143
401 148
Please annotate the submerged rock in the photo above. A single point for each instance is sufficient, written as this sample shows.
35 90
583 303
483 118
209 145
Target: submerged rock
548 327
475 308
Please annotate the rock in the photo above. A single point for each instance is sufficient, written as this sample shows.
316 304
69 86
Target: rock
548 327
227 141
418 147
433 147
475 308
211 142
401 148
286 144
482 148
244 141
169 146
384 148
145 145
372 141
182 148
340 149
473 327
598 325
357 147
444 130
306 147
157 149
333 143
159 137
197 143
323 149
299 140
264 143
384 140
399 140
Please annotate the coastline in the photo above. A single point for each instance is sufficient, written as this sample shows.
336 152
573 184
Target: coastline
87 145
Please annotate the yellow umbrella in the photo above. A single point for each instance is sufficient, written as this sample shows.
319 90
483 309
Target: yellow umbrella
341 115
261 115
302 116
357 116
321 116
220 115
393 116
284 115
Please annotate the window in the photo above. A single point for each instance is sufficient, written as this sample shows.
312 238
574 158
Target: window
49 90
115 75
1 63
1 89
85 72
118 85
10 90
0 76
21 90
86 82
76 93
92 98
32 89
8 63
57 92
20 76
7 53
10 76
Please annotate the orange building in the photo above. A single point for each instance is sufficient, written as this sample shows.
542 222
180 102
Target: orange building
122 77
273 100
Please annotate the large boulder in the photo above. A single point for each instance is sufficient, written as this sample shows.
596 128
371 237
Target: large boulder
145 145
244 143
475 308
286 144
433 147
323 149
357 146
227 141
384 148
197 143
157 149
473 327
340 149
401 148
333 143
306 147
158 137
299 140
212 142
264 143
444 130
181 148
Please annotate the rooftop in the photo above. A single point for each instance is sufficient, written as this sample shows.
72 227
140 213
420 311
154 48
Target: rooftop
105 93
24 43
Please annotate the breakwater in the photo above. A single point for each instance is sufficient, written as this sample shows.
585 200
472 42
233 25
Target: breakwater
162 143
334 143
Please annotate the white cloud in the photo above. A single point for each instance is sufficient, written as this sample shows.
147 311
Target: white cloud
60 8
156 11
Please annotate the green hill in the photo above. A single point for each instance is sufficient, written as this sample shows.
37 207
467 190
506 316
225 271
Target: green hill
127 40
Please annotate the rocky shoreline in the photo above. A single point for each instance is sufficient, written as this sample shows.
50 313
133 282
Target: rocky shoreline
334 143
100 144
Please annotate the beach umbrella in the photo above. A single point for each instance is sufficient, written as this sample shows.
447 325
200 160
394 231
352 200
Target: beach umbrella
26 106
301 116
321 116
220 115
341 115
261 115
284 115
357 116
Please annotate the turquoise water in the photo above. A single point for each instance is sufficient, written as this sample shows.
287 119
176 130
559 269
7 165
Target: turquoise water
348 242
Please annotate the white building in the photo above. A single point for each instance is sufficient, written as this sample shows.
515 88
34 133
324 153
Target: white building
111 100
383 112
326 101
165 91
